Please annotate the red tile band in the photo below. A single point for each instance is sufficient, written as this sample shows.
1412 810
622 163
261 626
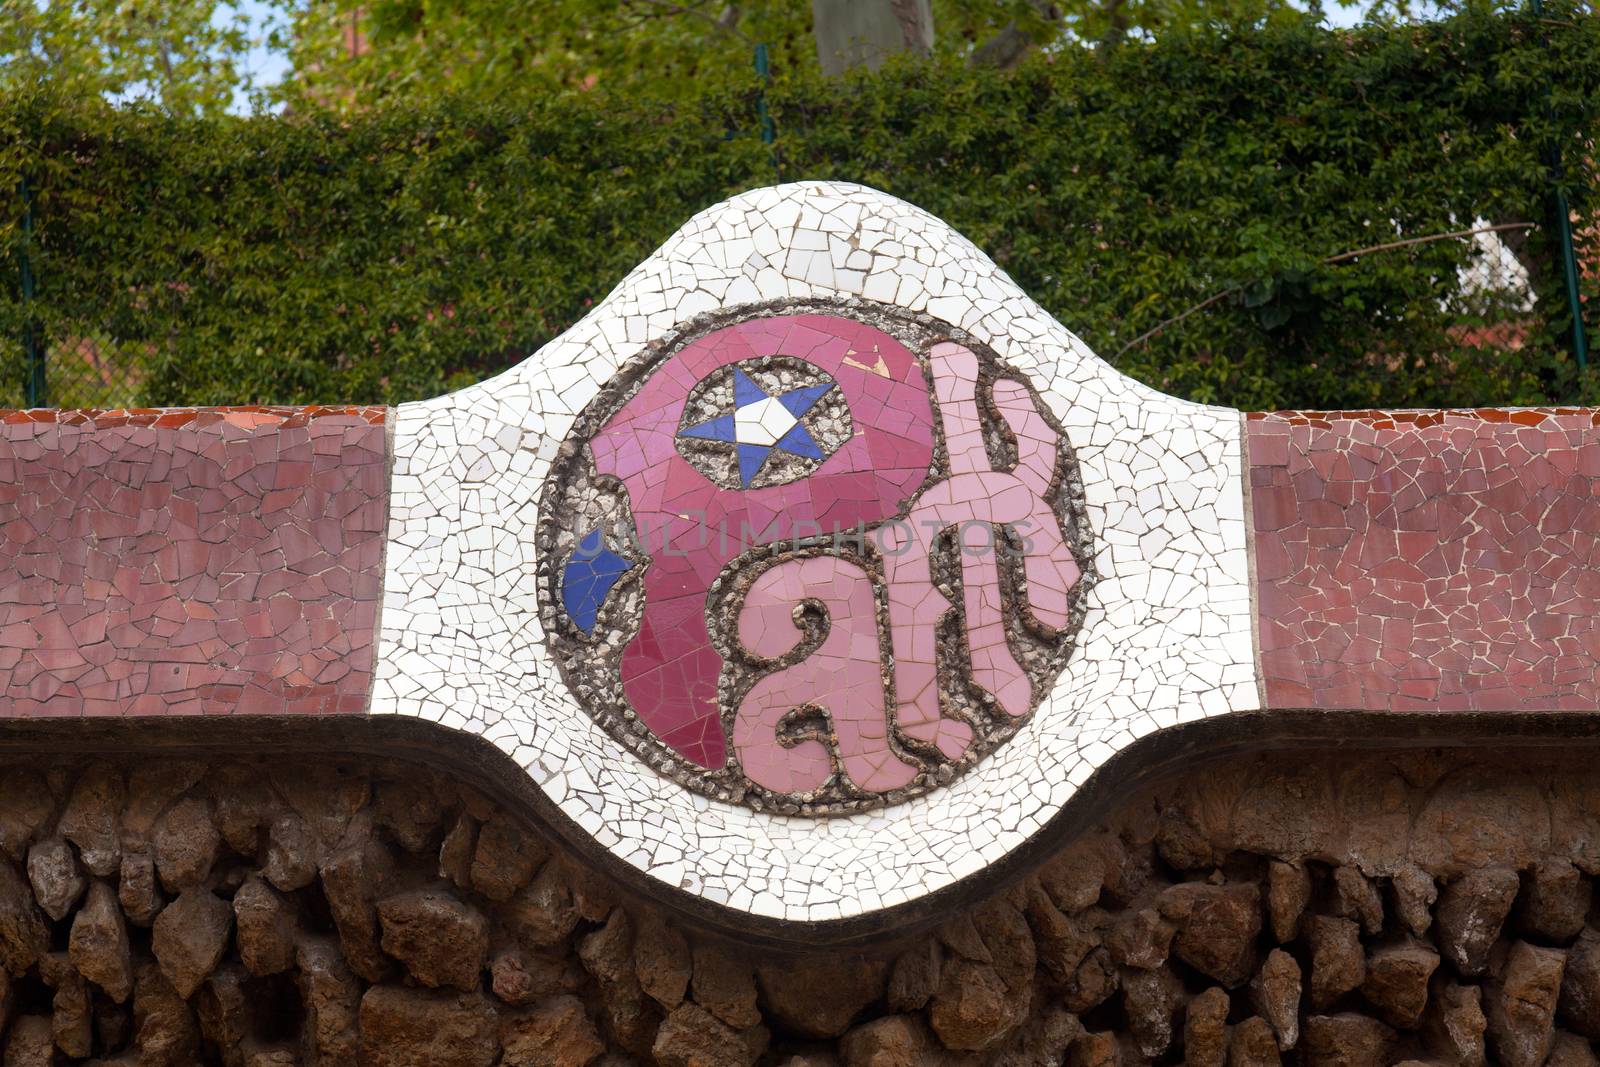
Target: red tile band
229 560
197 561
1428 560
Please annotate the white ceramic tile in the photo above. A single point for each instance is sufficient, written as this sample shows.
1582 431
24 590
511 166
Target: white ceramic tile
1166 640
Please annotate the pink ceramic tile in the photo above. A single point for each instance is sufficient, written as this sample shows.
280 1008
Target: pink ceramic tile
841 677
190 562
1427 560
854 485
975 500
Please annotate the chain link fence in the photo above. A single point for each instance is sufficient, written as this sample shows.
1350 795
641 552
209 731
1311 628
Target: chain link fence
1495 304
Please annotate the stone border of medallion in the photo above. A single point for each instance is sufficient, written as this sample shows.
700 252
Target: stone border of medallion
1167 636
918 332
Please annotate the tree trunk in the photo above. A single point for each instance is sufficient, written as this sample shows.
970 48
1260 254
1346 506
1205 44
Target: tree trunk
863 33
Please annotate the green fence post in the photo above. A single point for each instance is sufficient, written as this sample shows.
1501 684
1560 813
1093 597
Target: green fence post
769 129
33 353
1569 268
1563 223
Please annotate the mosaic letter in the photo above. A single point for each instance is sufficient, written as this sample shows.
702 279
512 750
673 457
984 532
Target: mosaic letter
842 677
669 670
974 494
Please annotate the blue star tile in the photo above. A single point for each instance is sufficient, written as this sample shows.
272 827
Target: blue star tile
800 442
751 458
588 578
718 429
753 434
745 391
800 401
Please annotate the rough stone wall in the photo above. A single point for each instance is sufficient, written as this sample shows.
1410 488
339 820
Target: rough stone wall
1314 908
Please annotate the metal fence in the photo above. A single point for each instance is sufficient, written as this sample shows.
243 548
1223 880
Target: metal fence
1495 301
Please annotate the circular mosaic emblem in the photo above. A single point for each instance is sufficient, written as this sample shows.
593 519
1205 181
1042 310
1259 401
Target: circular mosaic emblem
813 559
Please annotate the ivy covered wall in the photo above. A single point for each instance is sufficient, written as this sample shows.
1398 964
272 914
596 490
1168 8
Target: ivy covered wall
397 253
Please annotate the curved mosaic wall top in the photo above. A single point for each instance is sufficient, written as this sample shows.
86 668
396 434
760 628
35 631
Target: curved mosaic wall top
815 691
816 570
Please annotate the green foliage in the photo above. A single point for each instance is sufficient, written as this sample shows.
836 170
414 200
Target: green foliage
186 55
392 254
660 49
418 49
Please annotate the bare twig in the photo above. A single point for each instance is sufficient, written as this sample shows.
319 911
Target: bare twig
721 24
1342 257
1158 327
1392 245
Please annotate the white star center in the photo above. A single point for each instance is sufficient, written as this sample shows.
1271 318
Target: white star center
762 423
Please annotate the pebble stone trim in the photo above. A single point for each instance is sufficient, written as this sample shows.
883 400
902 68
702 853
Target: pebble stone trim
1166 635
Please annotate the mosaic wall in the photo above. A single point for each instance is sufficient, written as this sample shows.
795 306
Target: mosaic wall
498 490
813 572
190 562
1428 560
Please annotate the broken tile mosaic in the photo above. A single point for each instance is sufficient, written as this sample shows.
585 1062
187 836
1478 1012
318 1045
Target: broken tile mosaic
928 702
591 572
473 636
760 423
1428 561
187 562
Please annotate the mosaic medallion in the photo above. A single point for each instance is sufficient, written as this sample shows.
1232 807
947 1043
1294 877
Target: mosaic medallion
813 561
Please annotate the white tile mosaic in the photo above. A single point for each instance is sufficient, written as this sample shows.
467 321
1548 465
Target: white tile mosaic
1167 638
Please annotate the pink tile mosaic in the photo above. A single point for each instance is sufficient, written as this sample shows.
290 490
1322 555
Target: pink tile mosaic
848 564
669 671
974 499
498 482
842 677
198 561
1428 561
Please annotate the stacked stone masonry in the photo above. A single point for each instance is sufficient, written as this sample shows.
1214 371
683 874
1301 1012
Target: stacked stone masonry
1399 907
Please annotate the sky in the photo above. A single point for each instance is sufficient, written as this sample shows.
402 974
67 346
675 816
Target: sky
266 66
269 67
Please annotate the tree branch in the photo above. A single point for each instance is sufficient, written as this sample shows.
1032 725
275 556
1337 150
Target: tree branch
1342 257
726 23
1392 245
1008 47
1162 325
1004 50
